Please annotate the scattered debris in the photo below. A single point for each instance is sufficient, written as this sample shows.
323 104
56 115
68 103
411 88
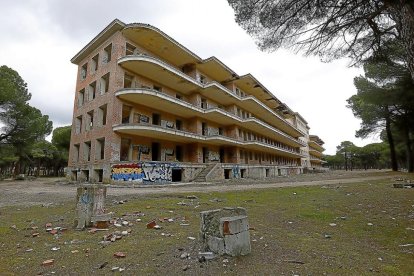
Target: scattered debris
35 234
184 255
192 197
185 268
327 236
48 262
119 255
332 224
74 251
191 238
55 248
29 249
370 224
151 224
207 255
102 265
406 245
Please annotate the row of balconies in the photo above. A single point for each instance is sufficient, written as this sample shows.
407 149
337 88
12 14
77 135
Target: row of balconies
172 134
179 107
174 78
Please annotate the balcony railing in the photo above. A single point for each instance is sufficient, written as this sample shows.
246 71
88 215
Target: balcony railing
188 105
207 137
208 85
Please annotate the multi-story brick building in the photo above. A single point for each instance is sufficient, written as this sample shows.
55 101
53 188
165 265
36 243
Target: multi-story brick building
147 109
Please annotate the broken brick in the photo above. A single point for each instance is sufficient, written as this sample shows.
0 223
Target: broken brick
48 262
119 255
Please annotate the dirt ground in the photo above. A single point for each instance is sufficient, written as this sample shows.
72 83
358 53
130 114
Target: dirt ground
49 191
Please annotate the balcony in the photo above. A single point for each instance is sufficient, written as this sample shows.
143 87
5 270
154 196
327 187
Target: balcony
171 134
316 146
156 69
315 153
148 97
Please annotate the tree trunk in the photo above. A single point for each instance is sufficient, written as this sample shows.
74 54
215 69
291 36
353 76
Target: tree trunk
393 155
410 165
402 12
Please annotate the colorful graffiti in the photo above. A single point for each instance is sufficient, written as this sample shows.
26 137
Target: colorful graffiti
236 171
143 172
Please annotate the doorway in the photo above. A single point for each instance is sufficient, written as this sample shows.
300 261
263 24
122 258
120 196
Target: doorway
205 155
176 175
155 151
221 155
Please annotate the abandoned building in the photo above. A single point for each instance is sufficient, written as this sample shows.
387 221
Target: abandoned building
147 110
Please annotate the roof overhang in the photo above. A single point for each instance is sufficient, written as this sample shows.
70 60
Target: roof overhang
106 33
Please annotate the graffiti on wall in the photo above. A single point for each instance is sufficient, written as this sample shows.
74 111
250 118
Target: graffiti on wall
236 172
143 172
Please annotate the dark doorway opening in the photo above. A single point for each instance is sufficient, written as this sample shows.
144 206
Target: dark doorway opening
227 173
156 119
205 155
155 151
179 153
267 172
279 172
176 175
242 173
221 155
99 173
86 175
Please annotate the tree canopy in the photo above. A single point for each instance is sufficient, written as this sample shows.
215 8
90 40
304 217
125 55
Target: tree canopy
330 29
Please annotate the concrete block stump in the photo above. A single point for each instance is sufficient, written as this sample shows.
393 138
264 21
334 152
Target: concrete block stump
90 206
226 231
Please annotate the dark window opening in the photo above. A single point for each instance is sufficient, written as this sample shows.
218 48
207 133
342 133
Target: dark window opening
204 103
95 62
128 80
158 88
87 153
178 96
220 131
221 155
130 49
204 129
85 174
107 54
178 124
176 175
99 173
126 112
227 173
156 120
267 172
179 153
155 151
125 146
279 172
205 155
242 173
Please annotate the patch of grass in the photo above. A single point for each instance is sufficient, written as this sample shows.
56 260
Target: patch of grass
290 226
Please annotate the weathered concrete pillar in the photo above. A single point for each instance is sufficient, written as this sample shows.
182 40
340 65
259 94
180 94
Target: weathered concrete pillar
226 231
90 205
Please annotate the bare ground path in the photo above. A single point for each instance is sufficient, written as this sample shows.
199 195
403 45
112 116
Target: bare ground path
54 190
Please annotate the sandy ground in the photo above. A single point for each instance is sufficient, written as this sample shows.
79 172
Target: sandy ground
46 191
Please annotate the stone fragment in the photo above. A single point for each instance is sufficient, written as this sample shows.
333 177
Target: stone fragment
151 224
119 255
48 262
237 244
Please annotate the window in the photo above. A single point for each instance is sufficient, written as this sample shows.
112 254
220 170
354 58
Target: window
94 64
87 151
125 149
178 124
100 148
178 96
130 49
78 124
89 126
158 88
204 129
128 80
220 130
237 91
92 91
104 84
156 119
203 103
179 153
102 115
126 112
76 153
81 97
84 71
107 55
202 79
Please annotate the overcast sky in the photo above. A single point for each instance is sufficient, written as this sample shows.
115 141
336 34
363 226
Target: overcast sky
39 37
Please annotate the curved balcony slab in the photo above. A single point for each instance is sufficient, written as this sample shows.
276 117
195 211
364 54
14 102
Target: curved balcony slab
172 77
316 146
148 97
170 134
